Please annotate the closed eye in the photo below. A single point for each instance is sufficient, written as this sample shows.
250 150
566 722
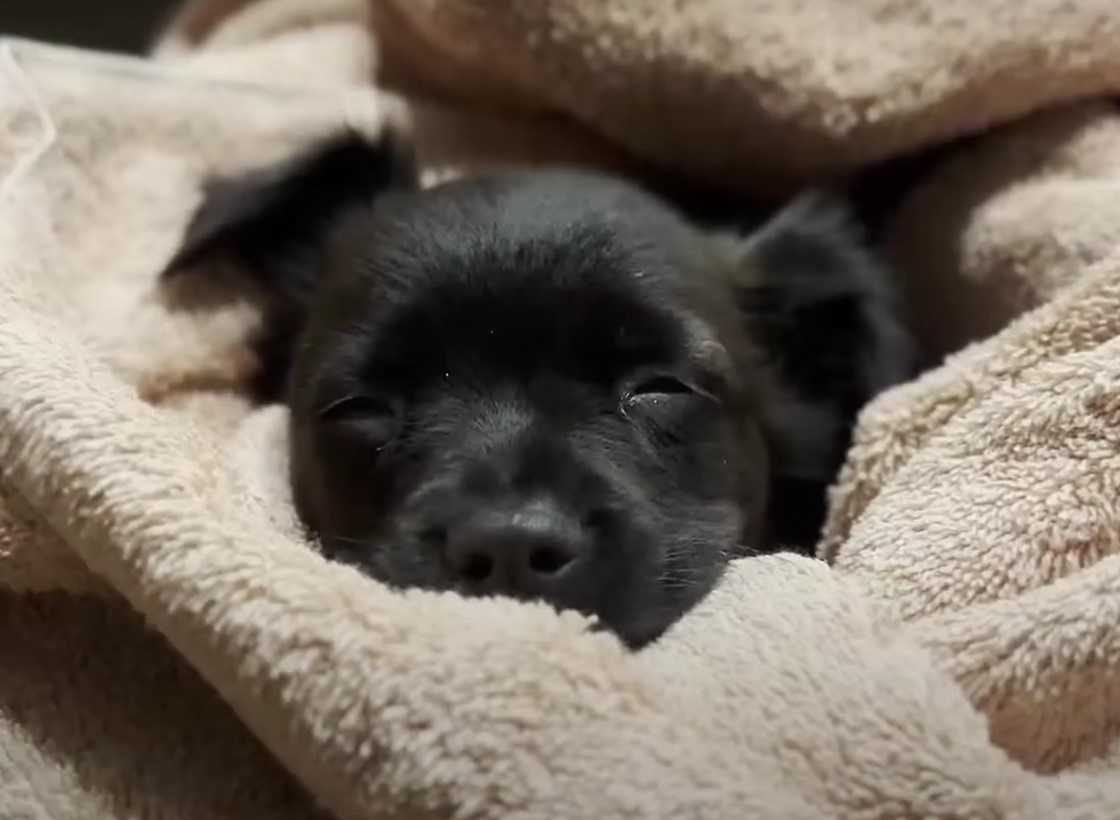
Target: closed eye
362 419
356 407
662 395
661 385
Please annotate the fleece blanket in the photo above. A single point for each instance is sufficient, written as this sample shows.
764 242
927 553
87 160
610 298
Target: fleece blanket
170 645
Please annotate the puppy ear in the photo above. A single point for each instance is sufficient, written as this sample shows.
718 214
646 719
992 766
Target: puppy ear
822 313
275 221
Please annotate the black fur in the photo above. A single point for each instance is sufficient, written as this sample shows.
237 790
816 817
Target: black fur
549 384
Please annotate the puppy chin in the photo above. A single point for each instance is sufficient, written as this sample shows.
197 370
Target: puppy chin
638 628
647 610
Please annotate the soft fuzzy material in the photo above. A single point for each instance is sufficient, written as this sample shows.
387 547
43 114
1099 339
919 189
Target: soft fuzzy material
171 648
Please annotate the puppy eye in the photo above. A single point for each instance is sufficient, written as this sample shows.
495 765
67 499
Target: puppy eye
656 395
355 407
660 385
370 417
665 395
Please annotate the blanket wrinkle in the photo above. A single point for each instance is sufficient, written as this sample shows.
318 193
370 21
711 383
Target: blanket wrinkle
836 86
172 647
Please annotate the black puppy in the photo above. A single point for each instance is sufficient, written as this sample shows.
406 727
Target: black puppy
548 384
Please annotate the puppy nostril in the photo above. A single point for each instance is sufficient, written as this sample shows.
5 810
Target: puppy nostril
598 519
435 535
478 567
548 560
524 551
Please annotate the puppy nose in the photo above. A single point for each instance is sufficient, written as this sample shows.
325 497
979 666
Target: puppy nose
527 550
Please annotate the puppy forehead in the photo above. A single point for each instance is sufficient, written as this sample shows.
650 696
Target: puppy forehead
559 228
522 287
525 318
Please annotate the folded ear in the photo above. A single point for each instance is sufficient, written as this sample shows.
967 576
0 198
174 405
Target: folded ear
275 221
823 314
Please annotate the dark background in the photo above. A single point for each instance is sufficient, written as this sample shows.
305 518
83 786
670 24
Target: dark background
113 25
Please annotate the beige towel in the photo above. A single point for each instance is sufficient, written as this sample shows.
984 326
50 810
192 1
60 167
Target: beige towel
169 648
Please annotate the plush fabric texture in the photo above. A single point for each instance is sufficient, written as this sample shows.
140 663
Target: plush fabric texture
170 646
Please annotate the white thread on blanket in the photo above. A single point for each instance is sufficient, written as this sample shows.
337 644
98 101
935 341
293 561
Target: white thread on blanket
22 82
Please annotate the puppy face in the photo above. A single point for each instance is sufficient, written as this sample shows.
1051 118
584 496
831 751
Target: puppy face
538 385
508 388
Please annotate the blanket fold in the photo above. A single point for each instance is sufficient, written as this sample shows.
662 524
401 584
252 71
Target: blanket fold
171 647
719 88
